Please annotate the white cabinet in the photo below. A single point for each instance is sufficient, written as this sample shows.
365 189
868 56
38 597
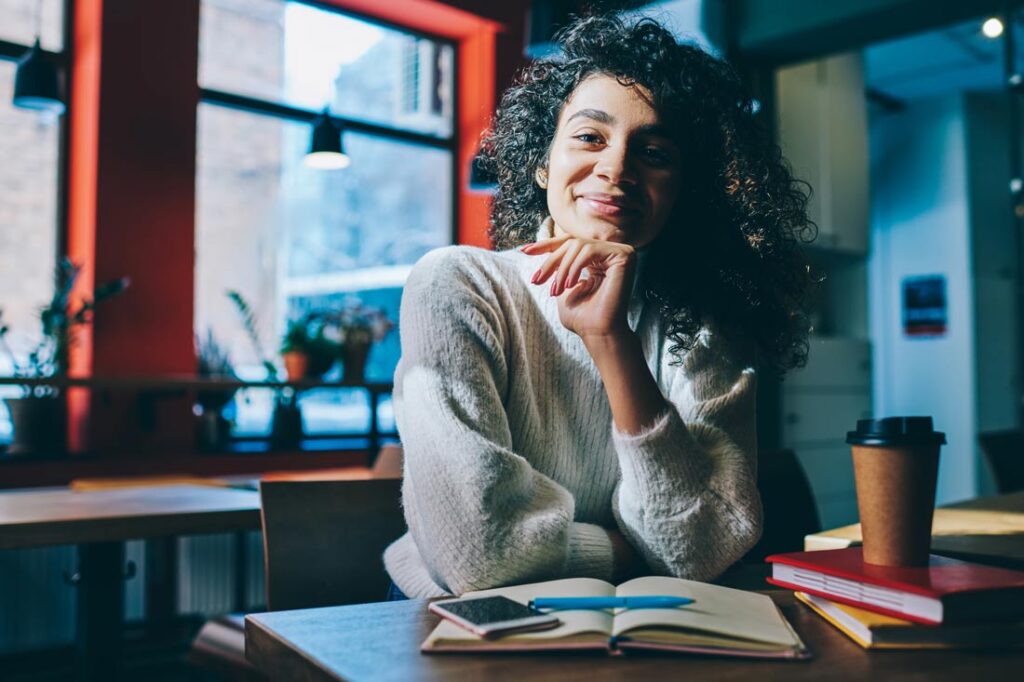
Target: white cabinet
823 132
821 115
820 403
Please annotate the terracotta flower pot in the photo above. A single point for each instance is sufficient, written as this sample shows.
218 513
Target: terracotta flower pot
296 365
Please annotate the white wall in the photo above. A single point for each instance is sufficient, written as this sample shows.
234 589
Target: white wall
920 226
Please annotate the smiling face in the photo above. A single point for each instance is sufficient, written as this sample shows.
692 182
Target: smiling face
613 171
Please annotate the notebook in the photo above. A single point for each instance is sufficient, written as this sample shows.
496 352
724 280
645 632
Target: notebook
722 621
877 631
945 591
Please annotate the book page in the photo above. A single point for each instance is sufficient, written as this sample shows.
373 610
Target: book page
574 623
731 614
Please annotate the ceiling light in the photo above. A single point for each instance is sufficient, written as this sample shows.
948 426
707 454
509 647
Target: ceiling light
36 82
325 149
992 28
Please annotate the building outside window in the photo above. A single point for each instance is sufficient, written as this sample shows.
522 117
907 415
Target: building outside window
292 238
30 143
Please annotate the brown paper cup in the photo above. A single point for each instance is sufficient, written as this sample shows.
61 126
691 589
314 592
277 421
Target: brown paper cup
896 500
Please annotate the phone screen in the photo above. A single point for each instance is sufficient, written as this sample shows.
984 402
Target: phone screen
488 610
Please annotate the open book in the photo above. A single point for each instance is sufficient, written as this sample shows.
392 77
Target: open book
722 621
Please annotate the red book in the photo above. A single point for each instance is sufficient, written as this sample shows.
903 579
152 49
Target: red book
945 591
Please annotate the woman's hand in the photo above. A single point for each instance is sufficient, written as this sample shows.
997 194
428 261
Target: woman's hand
594 307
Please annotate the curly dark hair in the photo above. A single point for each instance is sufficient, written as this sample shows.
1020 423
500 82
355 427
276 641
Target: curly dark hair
729 255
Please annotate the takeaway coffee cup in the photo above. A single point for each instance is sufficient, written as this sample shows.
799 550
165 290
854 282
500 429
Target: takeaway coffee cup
895 466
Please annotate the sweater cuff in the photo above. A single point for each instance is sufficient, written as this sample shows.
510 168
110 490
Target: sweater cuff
663 459
590 552
404 565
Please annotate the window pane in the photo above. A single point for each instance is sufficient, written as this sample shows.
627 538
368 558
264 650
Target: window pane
291 238
310 58
28 225
18 22
28 209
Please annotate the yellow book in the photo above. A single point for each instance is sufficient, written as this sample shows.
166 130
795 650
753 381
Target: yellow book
876 631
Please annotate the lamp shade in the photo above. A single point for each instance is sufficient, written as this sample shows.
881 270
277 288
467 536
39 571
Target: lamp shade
36 83
325 148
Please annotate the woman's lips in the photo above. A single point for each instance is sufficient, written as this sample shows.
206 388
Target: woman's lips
607 204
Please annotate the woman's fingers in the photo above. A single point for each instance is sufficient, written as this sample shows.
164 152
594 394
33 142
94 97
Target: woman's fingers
568 259
544 245
549 265
576 268
581 291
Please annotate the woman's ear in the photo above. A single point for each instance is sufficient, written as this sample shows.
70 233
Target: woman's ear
541 176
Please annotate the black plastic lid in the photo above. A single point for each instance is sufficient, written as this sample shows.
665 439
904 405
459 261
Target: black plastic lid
895 431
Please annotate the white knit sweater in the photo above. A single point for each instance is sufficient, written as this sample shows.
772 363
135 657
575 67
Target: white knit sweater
513 467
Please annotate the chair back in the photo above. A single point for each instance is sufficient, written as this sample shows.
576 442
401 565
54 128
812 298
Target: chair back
790 511
323 541
1004 451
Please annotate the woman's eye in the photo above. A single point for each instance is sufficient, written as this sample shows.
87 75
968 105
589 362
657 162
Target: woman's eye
657 155
588 138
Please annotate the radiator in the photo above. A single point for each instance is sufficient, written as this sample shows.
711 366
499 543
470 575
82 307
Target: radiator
37 604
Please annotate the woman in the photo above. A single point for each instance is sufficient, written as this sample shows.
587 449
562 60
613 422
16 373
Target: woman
583 405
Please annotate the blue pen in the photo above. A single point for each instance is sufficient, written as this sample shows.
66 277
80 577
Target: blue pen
644 602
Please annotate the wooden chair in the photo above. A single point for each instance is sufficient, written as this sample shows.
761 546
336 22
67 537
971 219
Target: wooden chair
1004 451
790 512
323 542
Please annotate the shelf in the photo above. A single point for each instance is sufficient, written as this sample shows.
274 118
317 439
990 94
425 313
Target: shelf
186 383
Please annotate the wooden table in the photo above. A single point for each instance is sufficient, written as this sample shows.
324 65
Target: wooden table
986 529
381 642
99 522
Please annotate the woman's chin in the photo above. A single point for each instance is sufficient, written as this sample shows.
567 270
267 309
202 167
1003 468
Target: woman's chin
602 231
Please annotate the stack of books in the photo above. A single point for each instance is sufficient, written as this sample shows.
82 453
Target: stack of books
947 604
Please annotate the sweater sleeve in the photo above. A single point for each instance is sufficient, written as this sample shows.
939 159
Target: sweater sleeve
688 498
479 514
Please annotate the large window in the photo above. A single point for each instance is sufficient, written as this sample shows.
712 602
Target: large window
29 179
291 238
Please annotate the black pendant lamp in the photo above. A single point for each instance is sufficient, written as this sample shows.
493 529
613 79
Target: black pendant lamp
325 149
36 82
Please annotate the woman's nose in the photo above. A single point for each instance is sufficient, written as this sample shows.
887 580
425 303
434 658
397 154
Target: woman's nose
615 166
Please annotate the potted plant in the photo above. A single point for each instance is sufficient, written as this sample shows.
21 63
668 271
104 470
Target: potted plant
213 362
359 326
293 350
286 422
249 323
39 416
306 349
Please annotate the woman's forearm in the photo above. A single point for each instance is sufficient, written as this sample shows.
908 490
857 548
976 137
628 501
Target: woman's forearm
634 397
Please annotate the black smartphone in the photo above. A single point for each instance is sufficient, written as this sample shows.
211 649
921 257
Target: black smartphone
493 616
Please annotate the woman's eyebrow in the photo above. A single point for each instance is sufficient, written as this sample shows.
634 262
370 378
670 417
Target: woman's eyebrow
600 116
656 130
595 115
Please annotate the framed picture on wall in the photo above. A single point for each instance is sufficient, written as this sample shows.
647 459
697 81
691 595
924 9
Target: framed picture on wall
924 306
